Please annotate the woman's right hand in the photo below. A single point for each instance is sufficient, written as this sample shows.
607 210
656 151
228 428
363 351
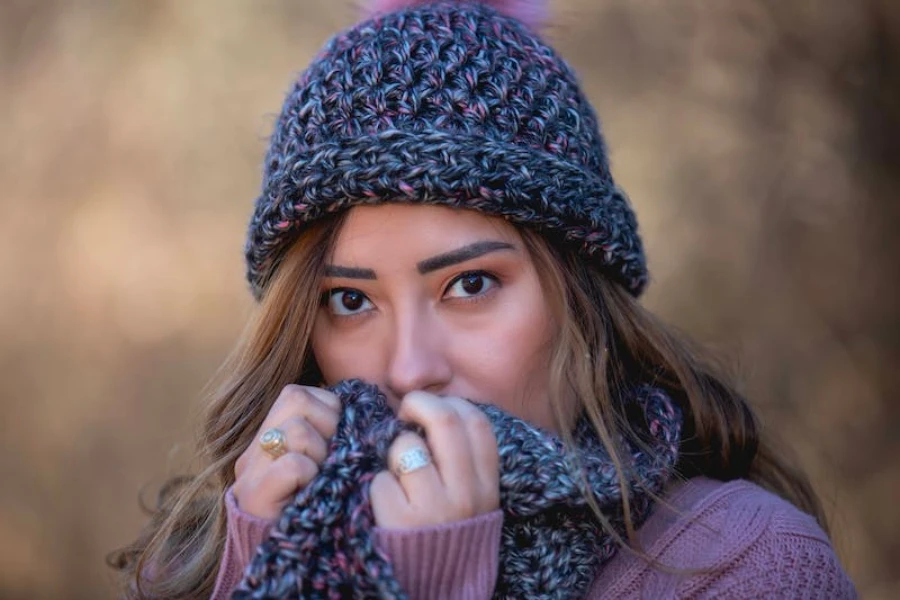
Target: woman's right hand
308 417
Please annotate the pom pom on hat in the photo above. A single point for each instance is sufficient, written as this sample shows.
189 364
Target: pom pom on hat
532 13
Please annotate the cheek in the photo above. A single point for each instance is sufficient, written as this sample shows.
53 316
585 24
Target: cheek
339 359
508 363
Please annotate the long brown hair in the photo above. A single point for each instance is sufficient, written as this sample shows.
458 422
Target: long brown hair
177 554
605 339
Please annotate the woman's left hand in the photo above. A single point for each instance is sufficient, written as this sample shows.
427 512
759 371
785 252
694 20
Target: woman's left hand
462 479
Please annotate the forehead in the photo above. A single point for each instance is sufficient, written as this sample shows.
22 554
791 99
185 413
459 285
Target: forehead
407 230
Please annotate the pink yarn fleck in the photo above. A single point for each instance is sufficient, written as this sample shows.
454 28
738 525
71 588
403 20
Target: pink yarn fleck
530 12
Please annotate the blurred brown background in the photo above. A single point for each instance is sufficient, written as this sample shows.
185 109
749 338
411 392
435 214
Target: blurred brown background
758 140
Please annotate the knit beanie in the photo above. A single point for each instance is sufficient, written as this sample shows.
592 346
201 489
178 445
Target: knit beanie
456 104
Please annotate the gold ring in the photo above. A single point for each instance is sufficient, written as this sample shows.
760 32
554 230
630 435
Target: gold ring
273 442
412 460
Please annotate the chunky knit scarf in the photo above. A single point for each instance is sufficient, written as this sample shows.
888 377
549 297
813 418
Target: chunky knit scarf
552 544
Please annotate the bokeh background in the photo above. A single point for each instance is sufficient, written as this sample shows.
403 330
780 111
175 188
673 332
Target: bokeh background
758 140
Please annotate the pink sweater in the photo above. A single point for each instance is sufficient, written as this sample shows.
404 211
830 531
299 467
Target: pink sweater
747 543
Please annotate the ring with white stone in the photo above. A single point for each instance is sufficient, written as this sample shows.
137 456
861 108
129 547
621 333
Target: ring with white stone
273 442
412 460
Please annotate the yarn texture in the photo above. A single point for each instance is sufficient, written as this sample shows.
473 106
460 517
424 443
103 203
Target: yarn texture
530 12
551 546
444 103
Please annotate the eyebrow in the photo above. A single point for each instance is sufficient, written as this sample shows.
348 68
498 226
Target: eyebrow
468 252
435 263
349 272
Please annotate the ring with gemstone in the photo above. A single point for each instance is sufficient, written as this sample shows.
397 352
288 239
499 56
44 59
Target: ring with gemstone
273 442
412 460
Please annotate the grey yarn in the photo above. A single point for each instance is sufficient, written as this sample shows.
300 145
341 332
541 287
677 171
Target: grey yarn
449 104
551 545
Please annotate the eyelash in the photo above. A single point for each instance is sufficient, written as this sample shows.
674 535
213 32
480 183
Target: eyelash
478 297
328 295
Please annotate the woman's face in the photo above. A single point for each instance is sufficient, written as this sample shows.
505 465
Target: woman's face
436 299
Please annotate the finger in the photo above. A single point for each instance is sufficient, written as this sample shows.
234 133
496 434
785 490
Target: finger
447 439
423 485
303 438
482 442
286 476
389 502
320 407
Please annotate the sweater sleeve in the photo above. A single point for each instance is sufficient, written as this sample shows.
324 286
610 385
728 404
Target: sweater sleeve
791 559
245 533
456 561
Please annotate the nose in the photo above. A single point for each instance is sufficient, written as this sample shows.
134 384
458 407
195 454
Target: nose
418 357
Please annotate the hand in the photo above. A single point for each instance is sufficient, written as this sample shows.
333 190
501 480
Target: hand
308 417
463 479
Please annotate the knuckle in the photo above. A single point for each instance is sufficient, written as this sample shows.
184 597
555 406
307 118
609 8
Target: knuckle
293 395
292 389
448 419
282 400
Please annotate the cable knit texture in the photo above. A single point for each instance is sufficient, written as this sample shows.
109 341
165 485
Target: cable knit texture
447 103
551 543
750 543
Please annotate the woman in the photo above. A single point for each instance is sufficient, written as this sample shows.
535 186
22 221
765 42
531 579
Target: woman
449 389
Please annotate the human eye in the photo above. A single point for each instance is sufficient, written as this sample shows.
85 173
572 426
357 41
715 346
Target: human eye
346 302
471 284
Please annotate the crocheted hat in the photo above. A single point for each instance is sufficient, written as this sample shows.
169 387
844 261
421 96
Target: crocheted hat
455 104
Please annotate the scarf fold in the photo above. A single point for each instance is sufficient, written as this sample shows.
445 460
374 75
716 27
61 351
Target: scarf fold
552 544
